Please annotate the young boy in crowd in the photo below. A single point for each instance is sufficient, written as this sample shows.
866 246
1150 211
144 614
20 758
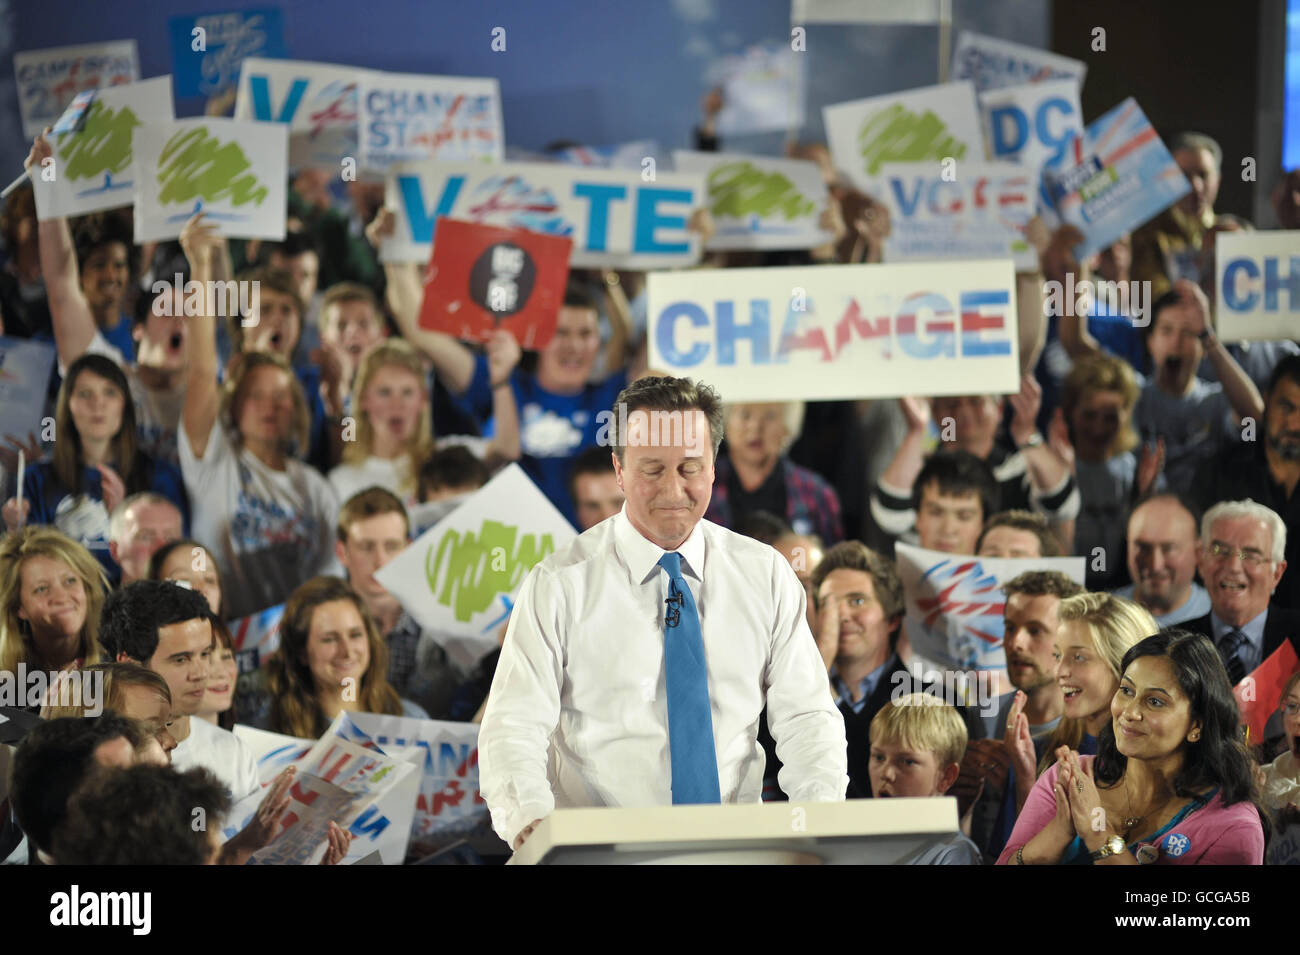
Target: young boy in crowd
917 743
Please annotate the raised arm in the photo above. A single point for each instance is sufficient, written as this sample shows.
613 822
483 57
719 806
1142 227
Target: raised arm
453 361
620 322
1240 390
74 324
205 250
503 354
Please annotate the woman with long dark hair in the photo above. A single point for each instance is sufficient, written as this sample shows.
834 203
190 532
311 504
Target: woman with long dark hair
96 463
331 659
1172 782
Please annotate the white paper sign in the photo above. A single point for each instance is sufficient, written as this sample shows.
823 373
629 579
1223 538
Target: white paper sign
360 787
838 331
762 90
234 170
460 577
981 213
410 116
758 202
449 806
992 63
25 368
94 167
614 217
1032 124
317 100
924 125
49 79
1258 285
955 605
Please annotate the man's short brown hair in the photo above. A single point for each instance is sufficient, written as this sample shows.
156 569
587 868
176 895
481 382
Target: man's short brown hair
1026 521
855 555
279 281
341 292
371 502
667 394
1042 583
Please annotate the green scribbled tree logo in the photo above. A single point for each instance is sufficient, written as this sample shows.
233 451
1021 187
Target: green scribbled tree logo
740 189
102 146
194 165
467 571
894 134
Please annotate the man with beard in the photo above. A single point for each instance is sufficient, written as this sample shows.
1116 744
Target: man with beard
1267 471
1026 718
1194 417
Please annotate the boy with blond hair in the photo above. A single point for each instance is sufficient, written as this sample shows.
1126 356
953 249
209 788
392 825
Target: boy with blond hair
917 744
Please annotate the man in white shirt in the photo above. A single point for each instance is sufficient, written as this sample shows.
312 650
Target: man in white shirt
167 628
602 638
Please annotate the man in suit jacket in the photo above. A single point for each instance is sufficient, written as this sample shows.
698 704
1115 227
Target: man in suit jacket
1240 556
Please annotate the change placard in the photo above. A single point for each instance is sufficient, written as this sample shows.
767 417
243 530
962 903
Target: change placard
411 116
838 331
1258 285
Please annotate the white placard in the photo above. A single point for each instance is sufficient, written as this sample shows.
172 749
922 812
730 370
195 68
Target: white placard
234 170
94 168
461 576
614 217
762 90
318 101
955 604
410 116
758 202
981 212
838 331
992 63
926 125
1258 284
1032 124
49 79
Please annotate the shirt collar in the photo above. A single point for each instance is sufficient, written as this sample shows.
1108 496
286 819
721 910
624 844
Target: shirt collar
642 556
1253 629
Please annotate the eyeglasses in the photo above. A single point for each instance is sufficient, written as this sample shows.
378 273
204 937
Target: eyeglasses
1253 558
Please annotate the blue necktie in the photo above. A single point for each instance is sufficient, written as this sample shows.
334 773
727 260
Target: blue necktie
690 722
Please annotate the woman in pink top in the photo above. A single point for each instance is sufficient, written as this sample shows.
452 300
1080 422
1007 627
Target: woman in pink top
1171 782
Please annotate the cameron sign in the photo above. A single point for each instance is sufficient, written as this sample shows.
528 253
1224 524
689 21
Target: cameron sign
848 331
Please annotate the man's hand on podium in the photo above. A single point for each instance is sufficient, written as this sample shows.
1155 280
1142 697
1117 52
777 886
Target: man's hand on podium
527 831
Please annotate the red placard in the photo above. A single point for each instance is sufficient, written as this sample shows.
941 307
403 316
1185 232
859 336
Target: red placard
483 277
1260 694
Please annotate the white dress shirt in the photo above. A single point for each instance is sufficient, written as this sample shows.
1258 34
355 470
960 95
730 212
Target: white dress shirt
578 712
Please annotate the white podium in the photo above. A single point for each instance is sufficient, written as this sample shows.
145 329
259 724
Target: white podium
853 832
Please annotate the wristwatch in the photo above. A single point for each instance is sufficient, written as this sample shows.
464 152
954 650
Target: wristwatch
1033 441
1113 846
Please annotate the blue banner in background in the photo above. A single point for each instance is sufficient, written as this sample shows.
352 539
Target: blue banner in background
226 39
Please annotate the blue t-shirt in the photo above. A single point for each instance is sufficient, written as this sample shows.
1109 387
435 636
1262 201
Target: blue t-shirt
553 429
119 336
318 450
84 518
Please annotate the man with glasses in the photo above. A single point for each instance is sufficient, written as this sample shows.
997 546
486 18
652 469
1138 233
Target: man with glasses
1240 556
